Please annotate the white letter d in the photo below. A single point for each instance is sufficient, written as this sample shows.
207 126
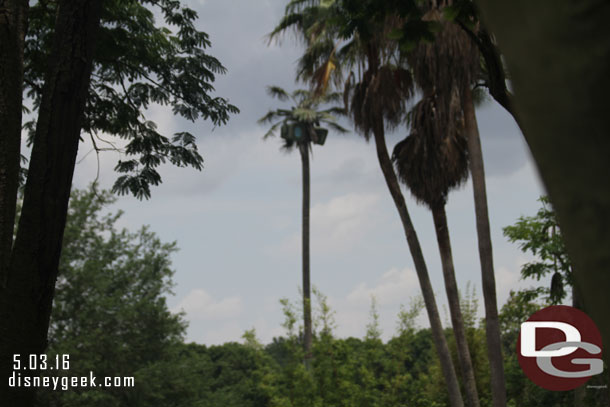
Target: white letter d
528 338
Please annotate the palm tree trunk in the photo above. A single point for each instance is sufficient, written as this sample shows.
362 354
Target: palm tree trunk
453 388
444 246
308 336
492 322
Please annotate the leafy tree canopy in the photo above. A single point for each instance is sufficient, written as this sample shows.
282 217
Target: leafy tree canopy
540 236
139 62
110 314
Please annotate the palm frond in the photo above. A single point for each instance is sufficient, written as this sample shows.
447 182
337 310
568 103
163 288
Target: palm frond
289 21
303 97
273 115
304 115
431 160
379 98
272 129
335 126
347 90
278 93
330 97
452 59
305 111
321 76
317 53
335 111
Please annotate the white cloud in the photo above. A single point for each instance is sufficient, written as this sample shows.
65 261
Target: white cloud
336 226
509 278
506 280
227 332
199 305
344 215
393 288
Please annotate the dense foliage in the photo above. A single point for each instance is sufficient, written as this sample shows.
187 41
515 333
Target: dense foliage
139 61
111 317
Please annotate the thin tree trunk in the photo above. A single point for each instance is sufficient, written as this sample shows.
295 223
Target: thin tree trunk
453 388
308 335
12 32
25 303
492 322
451 287
579 392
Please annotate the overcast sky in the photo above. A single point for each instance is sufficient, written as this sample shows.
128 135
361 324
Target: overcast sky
238 222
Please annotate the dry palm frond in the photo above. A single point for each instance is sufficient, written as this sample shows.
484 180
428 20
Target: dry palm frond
432 159
347 88
452 59
379 98
306 19
316 55
321 77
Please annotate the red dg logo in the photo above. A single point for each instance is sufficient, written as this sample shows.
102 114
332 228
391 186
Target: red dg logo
560 348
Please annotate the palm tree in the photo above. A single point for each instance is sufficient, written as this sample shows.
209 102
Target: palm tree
452 62
431 161
299 129
375 95
377 102
492 320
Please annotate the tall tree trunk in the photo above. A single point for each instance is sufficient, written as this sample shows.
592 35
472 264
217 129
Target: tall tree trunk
25 303
453 388
566 126
492 322
579 392
308 335
12 33
451 287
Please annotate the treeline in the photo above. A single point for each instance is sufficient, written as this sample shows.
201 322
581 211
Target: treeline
110 315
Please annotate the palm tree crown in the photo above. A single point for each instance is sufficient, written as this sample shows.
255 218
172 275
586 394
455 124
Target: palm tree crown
433 159
304 112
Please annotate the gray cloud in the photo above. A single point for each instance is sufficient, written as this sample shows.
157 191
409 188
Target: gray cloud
248 196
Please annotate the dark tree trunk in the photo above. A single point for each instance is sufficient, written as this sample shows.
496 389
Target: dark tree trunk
557 54
12 32
496 76
451 287
492 322
579 392
307 335
25 302
453 388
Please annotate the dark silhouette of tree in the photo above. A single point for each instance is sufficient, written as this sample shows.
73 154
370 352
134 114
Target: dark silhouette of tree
449 66
431 161
89 66
565 124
